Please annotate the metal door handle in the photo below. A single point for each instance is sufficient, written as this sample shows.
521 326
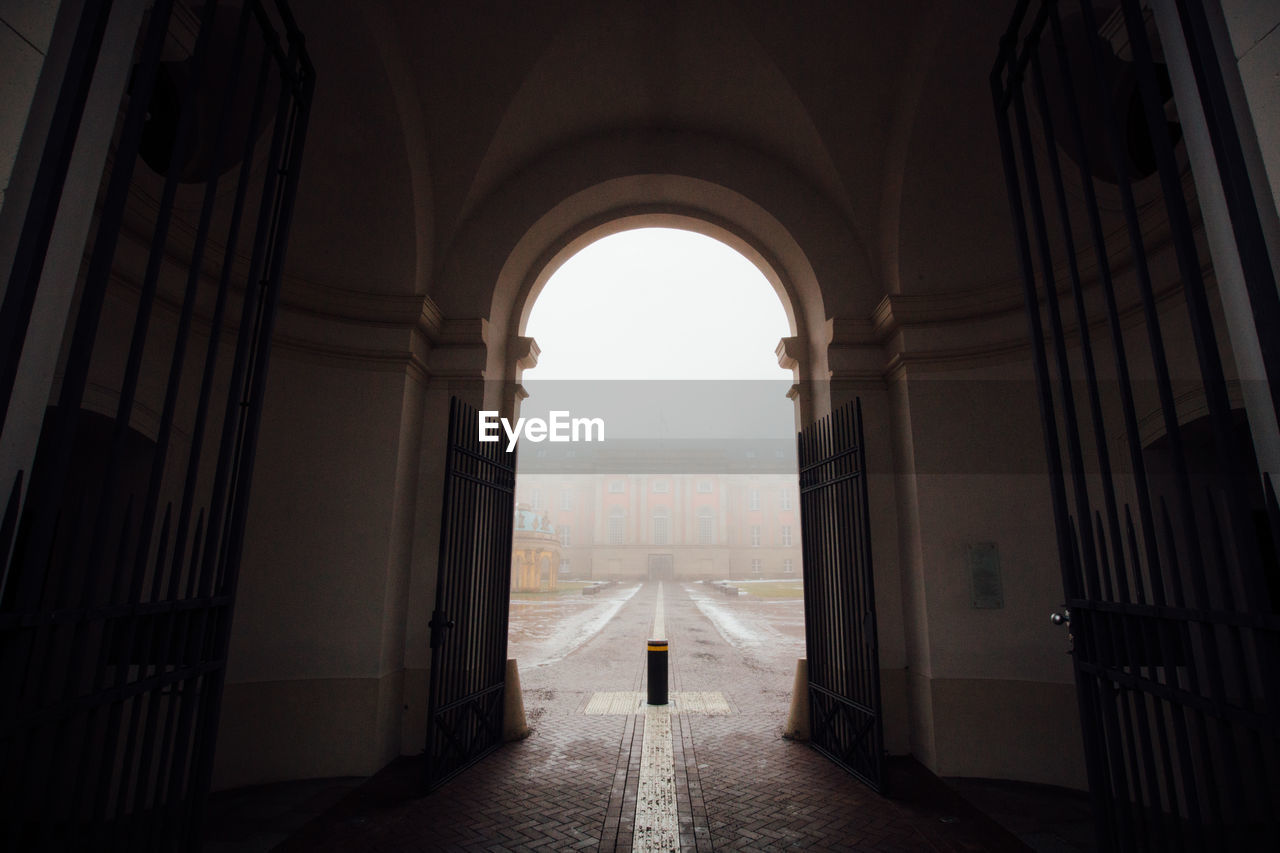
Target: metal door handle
1063 618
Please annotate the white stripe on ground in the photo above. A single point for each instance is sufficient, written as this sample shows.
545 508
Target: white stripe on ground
657 826
732 628
574 631
709 703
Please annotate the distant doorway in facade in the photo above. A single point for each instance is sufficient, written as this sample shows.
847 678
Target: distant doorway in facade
661 567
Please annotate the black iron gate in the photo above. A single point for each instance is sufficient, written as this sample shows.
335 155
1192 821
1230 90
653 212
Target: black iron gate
120 548
839 596
473 582
1166 531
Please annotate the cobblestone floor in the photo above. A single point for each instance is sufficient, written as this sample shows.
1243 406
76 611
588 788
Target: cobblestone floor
739 785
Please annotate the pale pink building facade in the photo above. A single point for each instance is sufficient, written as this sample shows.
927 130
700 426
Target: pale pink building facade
687 526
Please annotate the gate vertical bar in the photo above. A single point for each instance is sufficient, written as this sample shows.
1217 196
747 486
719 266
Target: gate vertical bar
114 616
1175 634
470 618
839 596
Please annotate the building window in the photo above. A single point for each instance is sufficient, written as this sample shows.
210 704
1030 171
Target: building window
661 527
755 536
788 567
704 486
786 535
536 500
565 537
616 487
566 499
564 567
786 498
617 526
756 566
660 486
706 527
755 499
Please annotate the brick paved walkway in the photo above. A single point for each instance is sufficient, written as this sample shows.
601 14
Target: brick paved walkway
572 784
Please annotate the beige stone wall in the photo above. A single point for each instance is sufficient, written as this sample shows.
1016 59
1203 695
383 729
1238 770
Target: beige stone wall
970 471
318 644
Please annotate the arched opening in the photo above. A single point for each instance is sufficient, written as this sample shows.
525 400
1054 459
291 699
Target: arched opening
682 520
547 241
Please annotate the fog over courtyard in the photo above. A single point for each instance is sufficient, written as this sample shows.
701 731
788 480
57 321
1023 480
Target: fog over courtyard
668 338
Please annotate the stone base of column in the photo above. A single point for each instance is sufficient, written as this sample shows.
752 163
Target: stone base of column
514 724
798 719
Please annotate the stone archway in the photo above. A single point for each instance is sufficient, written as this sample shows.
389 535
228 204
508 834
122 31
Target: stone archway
673 202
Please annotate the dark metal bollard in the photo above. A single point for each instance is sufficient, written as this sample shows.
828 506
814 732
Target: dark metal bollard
657 672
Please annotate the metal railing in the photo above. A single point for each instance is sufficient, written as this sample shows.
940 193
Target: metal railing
124 549
473 586
841 639
1166 543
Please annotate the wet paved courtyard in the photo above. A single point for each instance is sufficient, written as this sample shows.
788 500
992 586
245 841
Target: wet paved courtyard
730 780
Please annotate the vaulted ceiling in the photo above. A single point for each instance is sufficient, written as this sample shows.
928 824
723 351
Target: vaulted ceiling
426 109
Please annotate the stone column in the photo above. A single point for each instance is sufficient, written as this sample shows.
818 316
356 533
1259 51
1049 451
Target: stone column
453 354
1251 83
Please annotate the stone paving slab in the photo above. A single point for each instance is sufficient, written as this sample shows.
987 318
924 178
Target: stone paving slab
574 783
634 702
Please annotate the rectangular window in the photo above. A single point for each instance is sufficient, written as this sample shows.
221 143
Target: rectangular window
661 530
706 530
565 535
566 499
617 529
564 567
755 499
786 499
536 501
786 535
704 486
756 566
788 567
616 487
660 486
755 536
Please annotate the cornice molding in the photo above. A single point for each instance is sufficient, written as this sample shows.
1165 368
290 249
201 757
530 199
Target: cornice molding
901 309
994 318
